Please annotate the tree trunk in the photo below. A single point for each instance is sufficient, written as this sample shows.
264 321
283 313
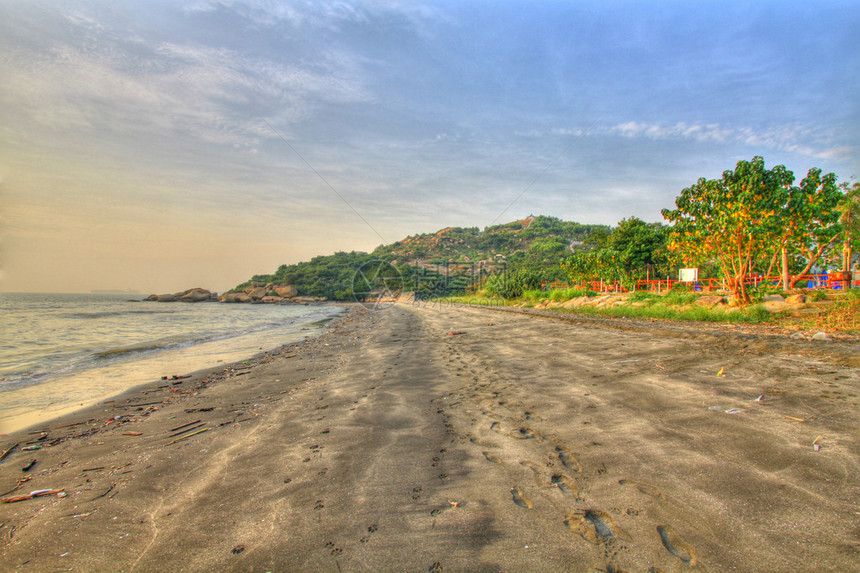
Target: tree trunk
785 280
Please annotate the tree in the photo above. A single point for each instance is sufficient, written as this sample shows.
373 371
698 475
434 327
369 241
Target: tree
640 246
849 218
732 219
812 215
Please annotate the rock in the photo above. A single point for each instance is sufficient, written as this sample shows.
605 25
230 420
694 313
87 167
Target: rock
575 302
272 299
235 297
166 298
821 337
257 293
775 306
196 295
601 301
798 336
286 291
151 298
796 299
774 297
710 300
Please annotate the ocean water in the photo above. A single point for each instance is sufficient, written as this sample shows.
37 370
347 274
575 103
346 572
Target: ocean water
60 352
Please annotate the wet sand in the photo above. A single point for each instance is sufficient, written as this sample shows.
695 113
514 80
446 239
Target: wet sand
459 439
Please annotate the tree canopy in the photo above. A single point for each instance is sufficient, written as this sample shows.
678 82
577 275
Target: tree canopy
753 211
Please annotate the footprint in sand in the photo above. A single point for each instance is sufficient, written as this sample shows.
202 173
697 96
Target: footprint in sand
531 465
645 488
563 483
520 498
568 460
490 457
526 434
371 529
594 526
677 546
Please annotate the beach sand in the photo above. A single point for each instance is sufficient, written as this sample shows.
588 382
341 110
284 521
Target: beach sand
458 439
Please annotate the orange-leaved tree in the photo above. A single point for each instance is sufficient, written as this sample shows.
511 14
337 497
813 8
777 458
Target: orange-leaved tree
731 220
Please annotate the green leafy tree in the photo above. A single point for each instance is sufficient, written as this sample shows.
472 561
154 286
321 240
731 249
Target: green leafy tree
812 215
640 247
849 218
731 220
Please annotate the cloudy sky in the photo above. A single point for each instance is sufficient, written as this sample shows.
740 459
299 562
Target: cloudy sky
162 145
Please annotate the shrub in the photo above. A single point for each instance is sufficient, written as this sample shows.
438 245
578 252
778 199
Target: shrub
816 295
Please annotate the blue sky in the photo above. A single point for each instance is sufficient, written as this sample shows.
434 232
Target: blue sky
163 145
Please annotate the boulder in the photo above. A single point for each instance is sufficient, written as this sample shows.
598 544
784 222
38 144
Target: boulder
710 300
258 293
775 306
575 302
166 298
286 291
235 297
272 299
152 298
821 337
196 295
799 298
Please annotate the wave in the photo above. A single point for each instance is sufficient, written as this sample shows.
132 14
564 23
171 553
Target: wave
110 313
161 344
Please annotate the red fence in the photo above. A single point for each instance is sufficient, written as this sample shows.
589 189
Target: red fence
831 281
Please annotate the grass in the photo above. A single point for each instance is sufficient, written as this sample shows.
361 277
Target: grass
843 315
754 314
674 305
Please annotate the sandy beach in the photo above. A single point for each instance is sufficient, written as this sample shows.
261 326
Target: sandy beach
428 438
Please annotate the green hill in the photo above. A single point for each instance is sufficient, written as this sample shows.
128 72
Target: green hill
442 262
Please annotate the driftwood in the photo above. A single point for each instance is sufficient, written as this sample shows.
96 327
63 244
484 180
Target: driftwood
188 429
185 425
189 435
32 494
6 453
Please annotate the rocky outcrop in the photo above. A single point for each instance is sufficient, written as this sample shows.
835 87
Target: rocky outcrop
269 293
190 295
235 297
198 295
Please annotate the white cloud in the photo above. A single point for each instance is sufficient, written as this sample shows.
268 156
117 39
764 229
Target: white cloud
212 94
794 139
326 14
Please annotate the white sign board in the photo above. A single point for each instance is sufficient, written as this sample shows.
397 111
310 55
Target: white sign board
688 275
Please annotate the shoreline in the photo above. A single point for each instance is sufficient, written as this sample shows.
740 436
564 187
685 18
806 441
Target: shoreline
94 404
423 439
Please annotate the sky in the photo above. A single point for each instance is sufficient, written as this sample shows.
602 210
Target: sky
164 145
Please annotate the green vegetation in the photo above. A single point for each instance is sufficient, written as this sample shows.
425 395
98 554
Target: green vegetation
632 251
752 220
446 262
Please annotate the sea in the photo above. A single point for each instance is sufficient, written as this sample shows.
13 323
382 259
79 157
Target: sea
62 352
